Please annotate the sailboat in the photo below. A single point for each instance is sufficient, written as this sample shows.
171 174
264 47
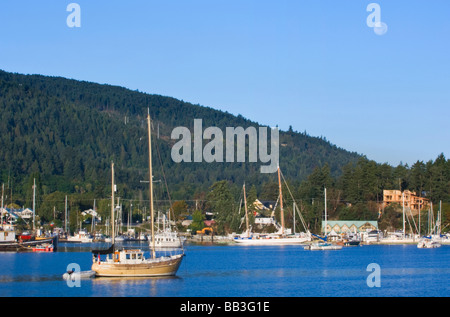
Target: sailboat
133 263
279 238
431 241
323 245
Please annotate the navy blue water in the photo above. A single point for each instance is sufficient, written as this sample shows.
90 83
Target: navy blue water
239 271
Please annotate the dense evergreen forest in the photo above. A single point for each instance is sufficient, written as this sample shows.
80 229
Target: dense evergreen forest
64 134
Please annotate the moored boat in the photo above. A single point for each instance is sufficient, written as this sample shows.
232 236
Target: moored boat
45 247
282 237
9 242
323 245
133 263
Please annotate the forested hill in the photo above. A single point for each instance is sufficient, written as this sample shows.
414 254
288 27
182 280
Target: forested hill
65 133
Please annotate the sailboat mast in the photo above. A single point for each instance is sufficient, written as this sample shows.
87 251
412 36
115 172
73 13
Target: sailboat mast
420 201
151 184
281 202
34 202
404 222
246 213
438 224
112 203
325 229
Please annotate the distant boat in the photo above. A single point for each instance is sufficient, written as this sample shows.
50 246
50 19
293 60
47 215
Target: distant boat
324 245
121 238
133 263
44 247
167 237
350 243
279 238
433 240
81 236
428 243
9 243
81 275
142 237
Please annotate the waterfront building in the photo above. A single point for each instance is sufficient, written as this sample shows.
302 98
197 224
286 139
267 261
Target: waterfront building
350 226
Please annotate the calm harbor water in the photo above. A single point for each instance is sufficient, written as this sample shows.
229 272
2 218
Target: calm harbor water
239 271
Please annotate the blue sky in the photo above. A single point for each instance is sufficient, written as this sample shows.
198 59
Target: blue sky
314 65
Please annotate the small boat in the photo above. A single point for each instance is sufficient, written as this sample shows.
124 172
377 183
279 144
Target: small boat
322 246
121 238
82 275
428 243
351 243
81 236
8 242
45 247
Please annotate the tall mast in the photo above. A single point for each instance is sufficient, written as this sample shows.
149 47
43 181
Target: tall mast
404 222
419 215
325 229
3 189
439 219
293 214
281 202
151 183
34 203
65 215
246 214
112 203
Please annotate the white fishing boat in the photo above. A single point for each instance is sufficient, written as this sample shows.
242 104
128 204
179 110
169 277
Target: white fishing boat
81 236
166 237
282 237
323 245
134 263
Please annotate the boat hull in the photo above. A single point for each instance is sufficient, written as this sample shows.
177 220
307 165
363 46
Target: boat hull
149 268
270 241
351 243
322 246
28 246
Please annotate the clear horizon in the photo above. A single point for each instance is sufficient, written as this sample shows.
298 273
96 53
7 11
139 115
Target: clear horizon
314 65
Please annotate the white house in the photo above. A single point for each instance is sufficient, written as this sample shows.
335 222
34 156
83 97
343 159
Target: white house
93 213
8 213
26 213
